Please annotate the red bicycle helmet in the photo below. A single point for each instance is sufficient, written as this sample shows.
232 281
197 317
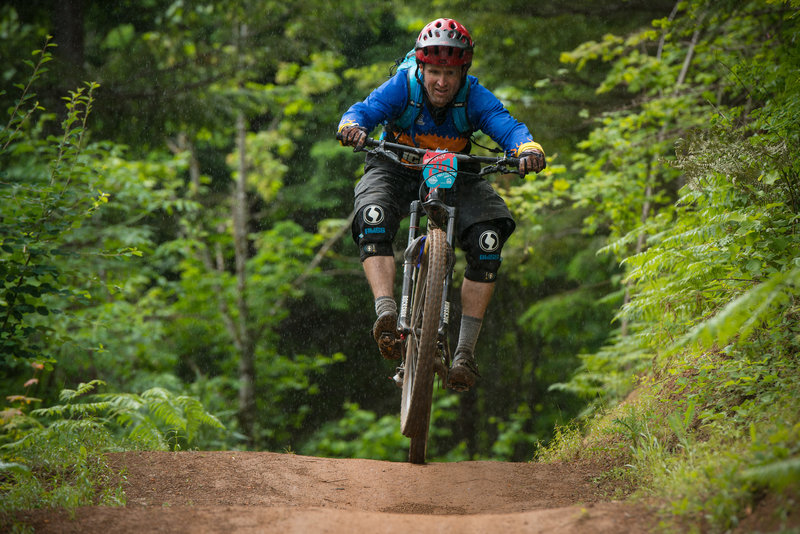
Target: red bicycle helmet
444 42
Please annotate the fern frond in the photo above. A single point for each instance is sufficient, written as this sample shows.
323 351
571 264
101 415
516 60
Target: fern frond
148 433
742 315
122 401
14 467
68 395
84 409
76 426
167 413
196 416
776 474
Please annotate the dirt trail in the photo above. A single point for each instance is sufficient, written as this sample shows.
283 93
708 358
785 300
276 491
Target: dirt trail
231 492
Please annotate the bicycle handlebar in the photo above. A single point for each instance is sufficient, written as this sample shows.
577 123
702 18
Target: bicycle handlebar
501 164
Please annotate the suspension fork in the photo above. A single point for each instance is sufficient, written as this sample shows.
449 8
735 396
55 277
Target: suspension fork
444 317
411 256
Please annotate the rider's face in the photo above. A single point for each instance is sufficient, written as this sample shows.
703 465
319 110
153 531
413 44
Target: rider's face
442 83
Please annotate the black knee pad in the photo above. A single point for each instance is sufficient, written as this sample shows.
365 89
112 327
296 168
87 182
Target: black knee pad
374 228
482 244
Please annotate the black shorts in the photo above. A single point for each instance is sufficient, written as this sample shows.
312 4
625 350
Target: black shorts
393 187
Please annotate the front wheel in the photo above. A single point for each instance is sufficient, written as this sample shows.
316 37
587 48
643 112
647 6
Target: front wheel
415 408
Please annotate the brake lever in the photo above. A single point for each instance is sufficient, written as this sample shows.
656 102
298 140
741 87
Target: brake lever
503 166
499 168
380 149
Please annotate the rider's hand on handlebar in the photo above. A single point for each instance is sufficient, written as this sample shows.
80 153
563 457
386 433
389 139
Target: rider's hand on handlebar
354 136
531 161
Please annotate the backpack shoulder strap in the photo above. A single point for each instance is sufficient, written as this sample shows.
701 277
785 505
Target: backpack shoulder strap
460 110
415 100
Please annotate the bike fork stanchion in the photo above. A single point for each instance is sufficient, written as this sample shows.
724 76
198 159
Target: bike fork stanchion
444 320
408 268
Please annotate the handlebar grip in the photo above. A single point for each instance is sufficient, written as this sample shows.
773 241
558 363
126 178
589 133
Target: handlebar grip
368 142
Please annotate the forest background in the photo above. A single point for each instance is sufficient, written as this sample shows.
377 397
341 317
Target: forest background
176 261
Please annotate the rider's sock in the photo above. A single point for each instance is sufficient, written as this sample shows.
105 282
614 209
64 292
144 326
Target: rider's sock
468 336
385 304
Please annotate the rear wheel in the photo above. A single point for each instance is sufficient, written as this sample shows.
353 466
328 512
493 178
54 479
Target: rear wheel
415 408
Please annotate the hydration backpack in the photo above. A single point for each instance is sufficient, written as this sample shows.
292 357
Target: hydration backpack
416 99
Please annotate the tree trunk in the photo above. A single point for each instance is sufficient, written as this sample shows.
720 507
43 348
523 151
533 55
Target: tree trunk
214 264
247 371
247 403
68 32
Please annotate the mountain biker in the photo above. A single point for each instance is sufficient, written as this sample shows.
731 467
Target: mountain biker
443 52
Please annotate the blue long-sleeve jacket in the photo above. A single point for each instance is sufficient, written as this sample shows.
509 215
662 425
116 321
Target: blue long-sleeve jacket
484 111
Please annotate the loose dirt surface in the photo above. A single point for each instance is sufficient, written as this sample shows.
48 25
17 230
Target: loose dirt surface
231 492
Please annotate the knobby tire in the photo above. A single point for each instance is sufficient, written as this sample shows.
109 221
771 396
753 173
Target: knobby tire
415 410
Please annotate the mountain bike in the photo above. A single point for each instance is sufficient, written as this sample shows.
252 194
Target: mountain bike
424 316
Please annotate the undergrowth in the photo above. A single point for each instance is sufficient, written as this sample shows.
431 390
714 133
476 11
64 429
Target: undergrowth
59 466
54 457
710 433
697 397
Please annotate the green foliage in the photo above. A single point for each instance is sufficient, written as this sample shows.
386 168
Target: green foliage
60 264
743 404
755 309
288 382
707 434
156 419
42 203
360 433
731 226
61 465
609 373
511 434
54 456
68 216
709 242
55 462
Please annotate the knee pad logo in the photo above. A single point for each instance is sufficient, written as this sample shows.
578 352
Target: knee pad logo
373 214
489 241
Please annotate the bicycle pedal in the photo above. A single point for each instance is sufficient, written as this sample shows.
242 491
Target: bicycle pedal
398 377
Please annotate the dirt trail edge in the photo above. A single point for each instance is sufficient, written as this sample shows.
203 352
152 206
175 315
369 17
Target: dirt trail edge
209 492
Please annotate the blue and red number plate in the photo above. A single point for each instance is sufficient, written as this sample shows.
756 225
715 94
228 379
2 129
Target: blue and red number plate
439 169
